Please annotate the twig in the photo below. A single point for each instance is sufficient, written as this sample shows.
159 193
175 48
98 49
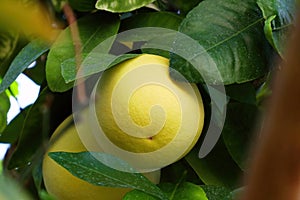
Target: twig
71 18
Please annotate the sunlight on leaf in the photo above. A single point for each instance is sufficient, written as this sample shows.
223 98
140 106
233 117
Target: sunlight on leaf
121 5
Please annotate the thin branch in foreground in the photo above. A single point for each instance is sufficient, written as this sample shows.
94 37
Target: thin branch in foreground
275 170
71 18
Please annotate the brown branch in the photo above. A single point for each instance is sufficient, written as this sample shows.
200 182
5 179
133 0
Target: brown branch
275 171
71 18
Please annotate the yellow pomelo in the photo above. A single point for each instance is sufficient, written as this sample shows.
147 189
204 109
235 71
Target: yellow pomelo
62 184
144 116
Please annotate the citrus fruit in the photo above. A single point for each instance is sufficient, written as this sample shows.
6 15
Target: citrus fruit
140 114
62 184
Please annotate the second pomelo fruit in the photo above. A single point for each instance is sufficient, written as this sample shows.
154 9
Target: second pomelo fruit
62 184
144 116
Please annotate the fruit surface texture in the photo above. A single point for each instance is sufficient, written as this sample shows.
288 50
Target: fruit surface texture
144 116
62 184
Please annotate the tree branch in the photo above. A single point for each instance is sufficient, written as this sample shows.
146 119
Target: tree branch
275 171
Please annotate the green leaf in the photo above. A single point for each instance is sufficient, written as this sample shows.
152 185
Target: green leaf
8 42
183 191
33 125
236 193
183 6
264 91
217 168
217 192
238 131
37 175
154 19
93 63
93 29
37 72
279 16
9 189
4 107
13 90
121 5
21 42
179 170
38 178
137 195
14 128
33 132
219 102
25 57
80 5
84 165
244 93
58 4
231 34
97 61
46 196
83 5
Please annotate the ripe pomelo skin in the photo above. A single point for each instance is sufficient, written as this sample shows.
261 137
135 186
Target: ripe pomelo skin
62 184
145 117
141 115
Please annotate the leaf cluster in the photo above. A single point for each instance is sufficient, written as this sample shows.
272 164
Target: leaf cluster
244 40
